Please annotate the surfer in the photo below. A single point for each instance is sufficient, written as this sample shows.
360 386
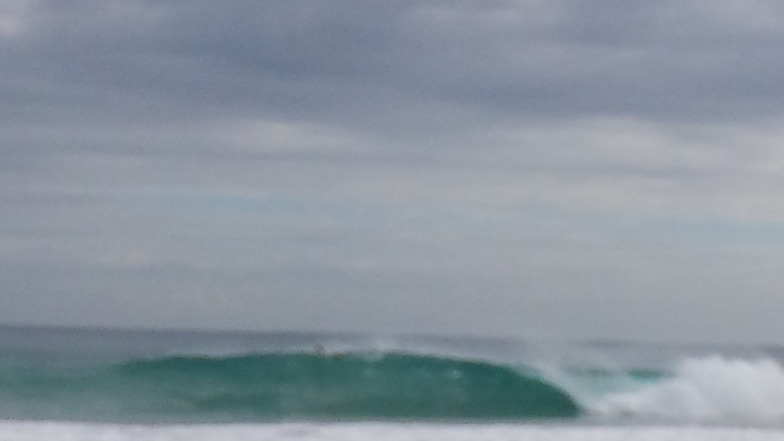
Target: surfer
321 352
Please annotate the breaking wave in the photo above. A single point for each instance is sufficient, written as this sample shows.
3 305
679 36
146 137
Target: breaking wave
708 389
285 386
361 386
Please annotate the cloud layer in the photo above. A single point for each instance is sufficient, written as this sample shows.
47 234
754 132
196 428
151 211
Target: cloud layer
517 168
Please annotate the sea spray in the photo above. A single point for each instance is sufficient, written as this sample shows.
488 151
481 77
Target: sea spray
704 389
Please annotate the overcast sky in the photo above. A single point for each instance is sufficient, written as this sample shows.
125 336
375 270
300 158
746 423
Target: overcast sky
530 169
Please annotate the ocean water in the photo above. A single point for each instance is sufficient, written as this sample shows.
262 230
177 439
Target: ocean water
72 384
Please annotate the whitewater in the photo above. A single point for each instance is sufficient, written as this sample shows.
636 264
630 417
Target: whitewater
24 431
76 384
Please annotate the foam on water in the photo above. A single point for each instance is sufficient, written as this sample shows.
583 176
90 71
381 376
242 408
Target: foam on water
46 431
706 389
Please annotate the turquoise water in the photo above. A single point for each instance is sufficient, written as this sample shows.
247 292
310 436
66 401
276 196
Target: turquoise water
182 377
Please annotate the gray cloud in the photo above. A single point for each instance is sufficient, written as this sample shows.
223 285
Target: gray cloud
363 62
421 166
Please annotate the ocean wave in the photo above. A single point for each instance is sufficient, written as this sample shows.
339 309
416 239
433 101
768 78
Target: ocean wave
384 385
287 386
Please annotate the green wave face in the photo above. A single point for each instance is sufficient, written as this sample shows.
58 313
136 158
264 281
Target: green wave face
294 387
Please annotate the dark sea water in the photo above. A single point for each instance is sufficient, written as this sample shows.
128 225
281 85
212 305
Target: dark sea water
93 379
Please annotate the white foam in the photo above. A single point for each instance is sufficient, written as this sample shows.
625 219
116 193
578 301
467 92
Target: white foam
35 431
707 389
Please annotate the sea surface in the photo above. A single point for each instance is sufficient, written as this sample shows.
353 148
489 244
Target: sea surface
80 384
